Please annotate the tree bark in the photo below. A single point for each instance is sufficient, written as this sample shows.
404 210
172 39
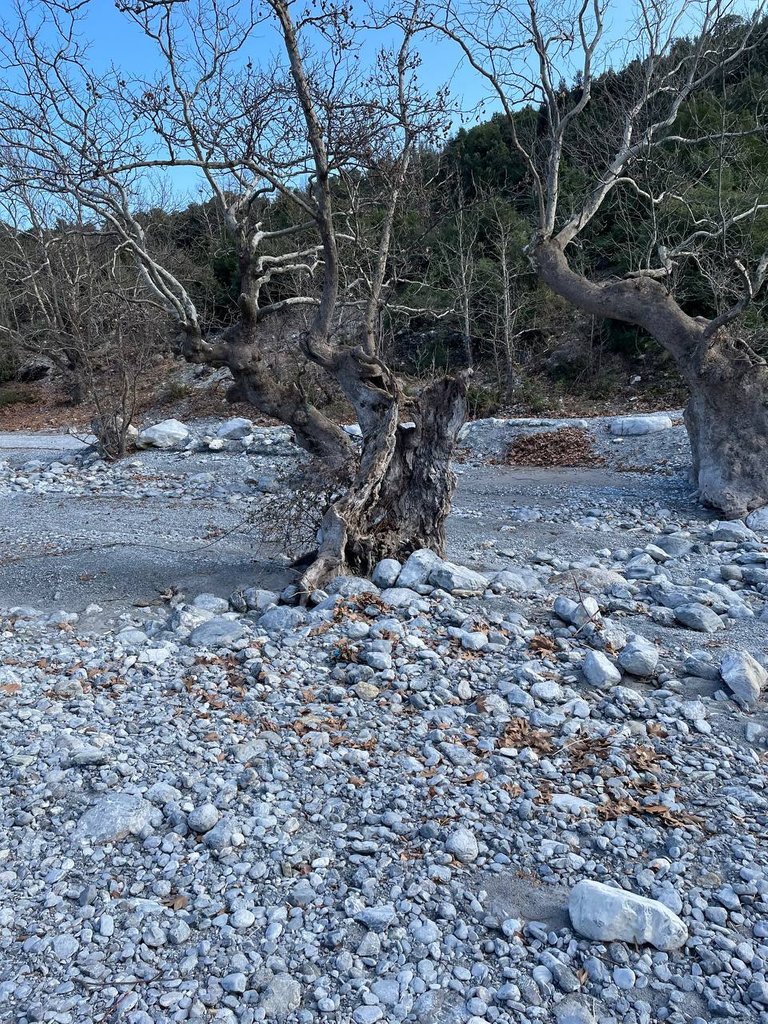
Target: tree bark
727 422
240 350
727 413
398 488
401 495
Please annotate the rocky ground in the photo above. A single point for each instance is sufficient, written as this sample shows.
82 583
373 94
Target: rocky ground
527 787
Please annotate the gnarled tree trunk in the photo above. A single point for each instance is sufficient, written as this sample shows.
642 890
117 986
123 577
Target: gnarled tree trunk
401 495
398 489
727 413
727 422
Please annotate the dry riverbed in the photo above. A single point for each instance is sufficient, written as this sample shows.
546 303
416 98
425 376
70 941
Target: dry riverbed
528 784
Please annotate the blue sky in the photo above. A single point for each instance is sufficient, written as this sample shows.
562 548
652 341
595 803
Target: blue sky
115 39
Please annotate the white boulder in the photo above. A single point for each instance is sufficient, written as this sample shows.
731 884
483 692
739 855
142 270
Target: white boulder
462 845
733 531
640 657
606 914
577 613
235 429
418 567
744 676
599 670
758 520
166 434
386 572
451 577
113 817
634 426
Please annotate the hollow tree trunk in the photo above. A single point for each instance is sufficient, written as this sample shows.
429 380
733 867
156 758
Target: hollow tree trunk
401 496
727 413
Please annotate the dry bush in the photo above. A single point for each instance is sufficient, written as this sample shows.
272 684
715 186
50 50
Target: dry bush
290 518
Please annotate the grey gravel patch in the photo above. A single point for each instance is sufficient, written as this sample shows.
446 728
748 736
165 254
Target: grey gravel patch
380 812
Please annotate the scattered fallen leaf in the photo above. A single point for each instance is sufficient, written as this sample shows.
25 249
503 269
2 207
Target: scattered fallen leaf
176 901
518 732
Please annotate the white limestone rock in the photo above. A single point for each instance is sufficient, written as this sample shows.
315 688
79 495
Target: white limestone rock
167 434
606 914
634 426
113 817
451 577
418 567
744 676
599 670
235 429
640 657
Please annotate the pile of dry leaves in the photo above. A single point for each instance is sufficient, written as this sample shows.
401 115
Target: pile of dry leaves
569 446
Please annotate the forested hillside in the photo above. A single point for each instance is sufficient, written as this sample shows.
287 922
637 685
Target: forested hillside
460 289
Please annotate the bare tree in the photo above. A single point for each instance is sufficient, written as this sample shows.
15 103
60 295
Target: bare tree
504 244
456 251
692 223
50 281
296 126
69 298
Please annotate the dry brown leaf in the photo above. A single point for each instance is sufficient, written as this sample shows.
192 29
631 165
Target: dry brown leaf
543 645
176 902
519 733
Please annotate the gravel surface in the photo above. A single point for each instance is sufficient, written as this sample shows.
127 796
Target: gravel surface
529 787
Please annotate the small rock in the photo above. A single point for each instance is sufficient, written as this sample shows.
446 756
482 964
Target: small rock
699 617
367 1014
211 603
260 600
366 691
462 845
386 573
599 670
451 577
113 817
282 618
65 946
417 568
574 1010
640 657
376 919
216 632
236 983
350 586
203 818
281 997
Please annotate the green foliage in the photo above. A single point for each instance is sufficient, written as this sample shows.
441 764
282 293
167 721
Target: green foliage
16 394
484 400
9 363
